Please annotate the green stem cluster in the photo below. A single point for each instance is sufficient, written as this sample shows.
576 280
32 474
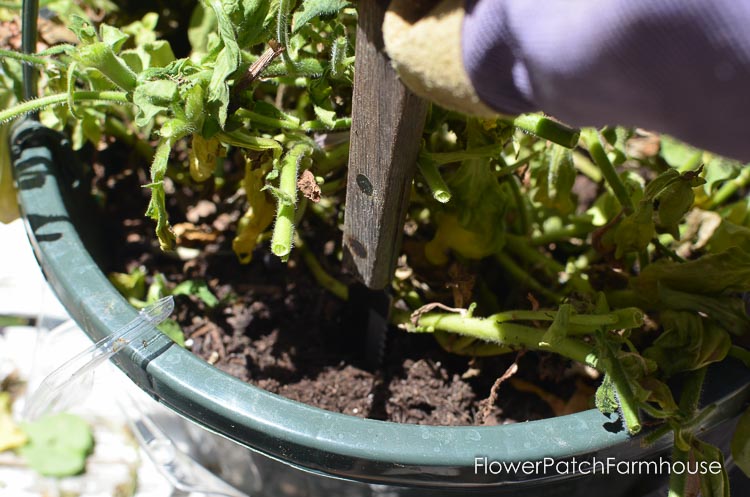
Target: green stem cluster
596 149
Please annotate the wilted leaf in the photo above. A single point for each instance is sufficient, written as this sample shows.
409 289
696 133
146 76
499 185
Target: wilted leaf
203 156
729 272
688 342
741 443
259 214
713 483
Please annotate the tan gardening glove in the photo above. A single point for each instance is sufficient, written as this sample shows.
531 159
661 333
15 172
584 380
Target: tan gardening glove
423 39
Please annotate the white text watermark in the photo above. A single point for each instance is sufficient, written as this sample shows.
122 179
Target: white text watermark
607 466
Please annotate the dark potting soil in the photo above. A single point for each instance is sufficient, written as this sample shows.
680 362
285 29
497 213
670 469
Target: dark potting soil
276 328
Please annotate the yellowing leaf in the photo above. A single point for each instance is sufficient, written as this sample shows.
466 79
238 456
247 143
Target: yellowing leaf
452 236
11 436
203 156
259 213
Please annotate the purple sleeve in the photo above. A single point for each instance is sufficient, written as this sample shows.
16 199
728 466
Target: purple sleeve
680 67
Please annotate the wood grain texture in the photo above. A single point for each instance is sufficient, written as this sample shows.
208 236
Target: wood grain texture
387 125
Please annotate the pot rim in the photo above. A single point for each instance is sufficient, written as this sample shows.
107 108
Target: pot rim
310 438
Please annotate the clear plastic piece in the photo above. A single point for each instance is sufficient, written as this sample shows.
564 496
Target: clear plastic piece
70 383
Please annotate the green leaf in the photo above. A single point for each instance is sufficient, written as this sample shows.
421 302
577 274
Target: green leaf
252 20
555 181
558 330
173 330
606 396
152 97
316 8
226 64
83 29
726 311
113 37
58 445
636 231
131 285
202 23
679 155
198 289
741 443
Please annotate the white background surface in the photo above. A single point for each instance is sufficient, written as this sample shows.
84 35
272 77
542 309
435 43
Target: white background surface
32 352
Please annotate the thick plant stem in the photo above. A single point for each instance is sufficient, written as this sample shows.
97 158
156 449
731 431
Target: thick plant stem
509 334
60 99
435 182
730 188
596 149
678 481
689 401
547 128
283 231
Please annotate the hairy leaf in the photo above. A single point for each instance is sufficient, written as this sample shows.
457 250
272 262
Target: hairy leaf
316 8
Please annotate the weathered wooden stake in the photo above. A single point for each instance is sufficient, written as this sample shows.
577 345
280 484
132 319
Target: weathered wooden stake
387 125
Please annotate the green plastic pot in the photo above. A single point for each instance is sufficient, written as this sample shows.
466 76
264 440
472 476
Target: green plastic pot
302 446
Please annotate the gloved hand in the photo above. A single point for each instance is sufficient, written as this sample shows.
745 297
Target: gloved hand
680 67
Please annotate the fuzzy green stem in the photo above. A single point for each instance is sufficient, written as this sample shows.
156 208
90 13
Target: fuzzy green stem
625 396
283 230
324 279
548 129
509 334
561 234
689 401
678 481
729 188
524 218
628 318
268 122
596 149
34 59
520 275
441 158
435 182
60 99
282 32
338 57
